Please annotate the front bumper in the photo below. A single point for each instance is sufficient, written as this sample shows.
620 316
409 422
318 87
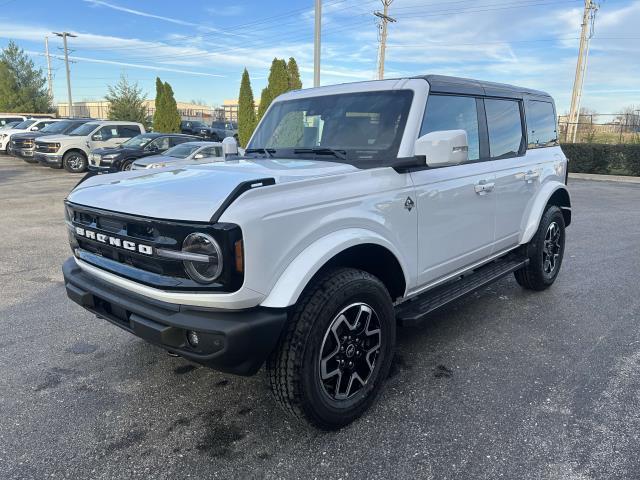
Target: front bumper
27 153
48 158
236 342
103 169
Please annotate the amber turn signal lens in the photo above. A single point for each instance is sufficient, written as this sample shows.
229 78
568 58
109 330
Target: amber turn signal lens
239 254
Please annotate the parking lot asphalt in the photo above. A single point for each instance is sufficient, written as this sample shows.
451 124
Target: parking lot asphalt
503 384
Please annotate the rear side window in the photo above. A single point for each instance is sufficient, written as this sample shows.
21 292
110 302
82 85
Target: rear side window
178 140
128 131
448 112
541 125
505 127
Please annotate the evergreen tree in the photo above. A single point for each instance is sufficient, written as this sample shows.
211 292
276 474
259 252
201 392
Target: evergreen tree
294 75
265 101
278 78
173 116
22 85
157 115
246 110
126 102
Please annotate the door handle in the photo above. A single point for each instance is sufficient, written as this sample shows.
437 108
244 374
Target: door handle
483 187
530 176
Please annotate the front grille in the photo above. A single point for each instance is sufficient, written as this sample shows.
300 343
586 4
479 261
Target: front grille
21 143
145 266
45 147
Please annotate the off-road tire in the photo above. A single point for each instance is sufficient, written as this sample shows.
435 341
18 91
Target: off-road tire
294 367
75 162
534 276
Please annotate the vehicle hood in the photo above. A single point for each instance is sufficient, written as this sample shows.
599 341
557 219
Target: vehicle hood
122 151
11 131
61 138
28 135
191 192
143 162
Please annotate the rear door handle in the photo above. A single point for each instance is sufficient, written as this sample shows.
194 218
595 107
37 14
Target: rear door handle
530 176
483 187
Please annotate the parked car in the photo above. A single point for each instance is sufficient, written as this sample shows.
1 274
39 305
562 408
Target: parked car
358 207
72 151
185 154
221 130
109 160
30 125
199 129
23 144
6 118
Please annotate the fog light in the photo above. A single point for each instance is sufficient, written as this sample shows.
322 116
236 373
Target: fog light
192 338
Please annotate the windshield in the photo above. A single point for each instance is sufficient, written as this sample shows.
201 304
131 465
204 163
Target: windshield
139 141
181 151
24 125
364 126
56 127
84 130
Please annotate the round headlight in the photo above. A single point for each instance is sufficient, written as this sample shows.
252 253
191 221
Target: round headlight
209 267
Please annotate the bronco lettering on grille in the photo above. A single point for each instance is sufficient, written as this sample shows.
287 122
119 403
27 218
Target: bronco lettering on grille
114 241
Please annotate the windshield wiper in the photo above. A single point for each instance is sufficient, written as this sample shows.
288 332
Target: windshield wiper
267 151
341 154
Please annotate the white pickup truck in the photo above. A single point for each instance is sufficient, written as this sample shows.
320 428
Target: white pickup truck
356 208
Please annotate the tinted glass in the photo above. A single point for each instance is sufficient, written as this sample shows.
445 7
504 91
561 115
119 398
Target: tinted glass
181 151
505 127
139 141
108 132
55 127
85 129
541 124
448 112
211 152
161 143
366 126
24 125
178 140
128 131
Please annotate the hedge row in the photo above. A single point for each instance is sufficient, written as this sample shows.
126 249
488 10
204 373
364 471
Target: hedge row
603 158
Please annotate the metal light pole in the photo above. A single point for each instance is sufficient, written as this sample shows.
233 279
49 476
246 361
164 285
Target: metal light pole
64 36
316 44
49 75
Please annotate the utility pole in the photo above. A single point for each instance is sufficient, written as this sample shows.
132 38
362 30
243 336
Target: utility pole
588 19
316 44
49 75
64 36
385 18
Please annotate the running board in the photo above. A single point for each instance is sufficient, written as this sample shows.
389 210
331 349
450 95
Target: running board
415 310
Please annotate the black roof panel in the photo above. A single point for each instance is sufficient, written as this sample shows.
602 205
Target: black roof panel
446 84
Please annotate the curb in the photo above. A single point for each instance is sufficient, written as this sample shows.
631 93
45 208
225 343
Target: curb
605 178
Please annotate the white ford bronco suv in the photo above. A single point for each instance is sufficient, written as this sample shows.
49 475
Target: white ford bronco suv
356 208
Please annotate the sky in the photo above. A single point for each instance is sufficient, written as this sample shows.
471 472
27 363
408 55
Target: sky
201 47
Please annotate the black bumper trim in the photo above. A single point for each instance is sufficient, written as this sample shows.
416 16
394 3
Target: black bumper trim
236 341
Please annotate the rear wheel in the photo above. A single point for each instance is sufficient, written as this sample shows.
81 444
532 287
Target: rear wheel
545 252
336 352
74 162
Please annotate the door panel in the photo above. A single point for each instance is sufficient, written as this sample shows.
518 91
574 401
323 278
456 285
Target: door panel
455 223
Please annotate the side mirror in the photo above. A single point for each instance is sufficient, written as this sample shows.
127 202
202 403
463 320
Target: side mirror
444 147
199 156
34 129
97 137
229 146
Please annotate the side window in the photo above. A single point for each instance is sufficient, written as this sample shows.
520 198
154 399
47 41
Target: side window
541 125
108 132
448 112
505 127
128 131
211 152
161 143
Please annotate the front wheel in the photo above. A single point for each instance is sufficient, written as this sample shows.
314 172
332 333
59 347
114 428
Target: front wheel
74 162
545 252
336 352
126 165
